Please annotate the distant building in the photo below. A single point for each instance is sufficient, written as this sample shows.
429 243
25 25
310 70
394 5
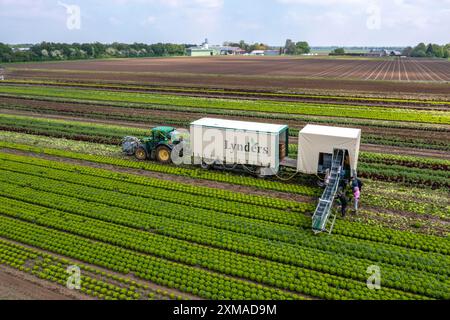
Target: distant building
21 49
376 53
202 51
271 52
231 51
258 52
383 53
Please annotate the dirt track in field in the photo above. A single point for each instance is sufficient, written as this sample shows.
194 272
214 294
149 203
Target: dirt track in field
17 285
396 75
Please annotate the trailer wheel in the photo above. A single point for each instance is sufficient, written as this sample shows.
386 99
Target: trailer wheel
141 153
163 154
205 165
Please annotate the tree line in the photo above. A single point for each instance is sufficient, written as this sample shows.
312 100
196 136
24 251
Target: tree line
47 51
290 48
431 50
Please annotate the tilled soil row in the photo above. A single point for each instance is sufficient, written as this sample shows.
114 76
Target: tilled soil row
263 83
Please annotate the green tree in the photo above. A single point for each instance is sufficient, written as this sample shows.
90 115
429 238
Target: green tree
429 50
289 47
302 47
6 53
420 50
438 51
446 51
243 45
407 51
338 51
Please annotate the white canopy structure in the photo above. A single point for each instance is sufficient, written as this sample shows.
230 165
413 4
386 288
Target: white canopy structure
314 140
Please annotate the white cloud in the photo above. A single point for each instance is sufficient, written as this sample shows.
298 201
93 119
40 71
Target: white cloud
321 2
115 21
397 17
200 4
150 20
31 9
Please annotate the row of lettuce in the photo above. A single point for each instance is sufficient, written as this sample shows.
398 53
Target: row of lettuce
331 110
95 208
108 155
229 92
418 141
94 282
377 166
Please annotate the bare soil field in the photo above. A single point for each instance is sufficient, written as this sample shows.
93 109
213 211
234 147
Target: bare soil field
385 75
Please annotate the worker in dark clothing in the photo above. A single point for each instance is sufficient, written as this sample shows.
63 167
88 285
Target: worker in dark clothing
356 182
343 201
343 182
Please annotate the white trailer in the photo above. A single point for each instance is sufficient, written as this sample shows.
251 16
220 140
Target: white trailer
258 147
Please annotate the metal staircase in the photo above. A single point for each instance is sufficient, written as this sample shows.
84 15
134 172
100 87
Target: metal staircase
324 218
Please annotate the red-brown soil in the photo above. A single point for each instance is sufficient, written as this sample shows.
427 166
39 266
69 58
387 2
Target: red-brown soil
399 75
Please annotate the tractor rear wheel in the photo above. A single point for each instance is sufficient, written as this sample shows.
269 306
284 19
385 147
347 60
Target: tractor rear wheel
163 154
141 153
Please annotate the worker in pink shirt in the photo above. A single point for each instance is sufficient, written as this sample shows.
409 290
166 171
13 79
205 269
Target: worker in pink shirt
356 194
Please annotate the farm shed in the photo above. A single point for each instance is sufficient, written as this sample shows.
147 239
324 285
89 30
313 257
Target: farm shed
202 52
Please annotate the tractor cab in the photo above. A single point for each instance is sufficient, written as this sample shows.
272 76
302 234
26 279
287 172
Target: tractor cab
159 135
158 146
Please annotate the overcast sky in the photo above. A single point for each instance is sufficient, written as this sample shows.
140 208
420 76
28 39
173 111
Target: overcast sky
320 22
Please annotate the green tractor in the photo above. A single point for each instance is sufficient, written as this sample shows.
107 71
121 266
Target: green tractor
158 146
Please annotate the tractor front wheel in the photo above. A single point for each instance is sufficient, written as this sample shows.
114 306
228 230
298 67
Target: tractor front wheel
163 154
141 153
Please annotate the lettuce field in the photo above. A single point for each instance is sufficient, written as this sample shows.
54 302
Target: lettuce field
139 230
